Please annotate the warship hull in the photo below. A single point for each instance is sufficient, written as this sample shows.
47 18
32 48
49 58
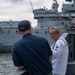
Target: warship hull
6 49
71 68
7 41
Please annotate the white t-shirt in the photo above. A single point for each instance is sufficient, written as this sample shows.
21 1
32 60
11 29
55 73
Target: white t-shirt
60 56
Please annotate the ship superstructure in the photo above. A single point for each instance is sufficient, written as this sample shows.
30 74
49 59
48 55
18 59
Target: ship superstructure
46 19
49 18
65 20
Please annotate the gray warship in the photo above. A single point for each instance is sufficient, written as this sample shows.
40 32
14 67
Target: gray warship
46 19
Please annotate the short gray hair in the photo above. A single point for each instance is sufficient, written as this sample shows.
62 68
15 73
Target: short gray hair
56 28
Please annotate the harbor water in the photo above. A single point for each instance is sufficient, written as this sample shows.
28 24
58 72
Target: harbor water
6 64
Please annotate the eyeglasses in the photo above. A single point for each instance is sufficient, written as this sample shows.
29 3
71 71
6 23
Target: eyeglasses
53 33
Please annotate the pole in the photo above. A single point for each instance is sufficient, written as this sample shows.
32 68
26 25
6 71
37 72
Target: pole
31 5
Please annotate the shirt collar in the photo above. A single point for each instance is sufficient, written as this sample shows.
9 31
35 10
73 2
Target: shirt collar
27 34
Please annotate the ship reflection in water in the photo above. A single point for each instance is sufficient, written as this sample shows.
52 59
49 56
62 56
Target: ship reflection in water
6 63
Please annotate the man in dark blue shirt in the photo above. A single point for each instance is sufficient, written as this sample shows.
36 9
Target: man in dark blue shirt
32 52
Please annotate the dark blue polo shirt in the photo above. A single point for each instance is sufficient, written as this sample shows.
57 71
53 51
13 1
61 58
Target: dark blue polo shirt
33 52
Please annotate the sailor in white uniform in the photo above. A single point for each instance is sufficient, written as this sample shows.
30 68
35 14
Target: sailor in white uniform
60 53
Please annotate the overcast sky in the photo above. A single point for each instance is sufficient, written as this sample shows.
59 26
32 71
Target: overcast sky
18 10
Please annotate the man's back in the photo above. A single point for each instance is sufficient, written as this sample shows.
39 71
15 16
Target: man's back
34 53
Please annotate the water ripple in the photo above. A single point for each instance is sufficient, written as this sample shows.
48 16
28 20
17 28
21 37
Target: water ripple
6 63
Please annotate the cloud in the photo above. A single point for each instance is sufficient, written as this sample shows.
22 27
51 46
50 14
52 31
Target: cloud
14 0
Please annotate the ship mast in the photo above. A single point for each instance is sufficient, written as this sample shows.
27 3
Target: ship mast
31 5
55 6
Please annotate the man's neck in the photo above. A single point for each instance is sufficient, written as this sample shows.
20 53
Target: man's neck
25 32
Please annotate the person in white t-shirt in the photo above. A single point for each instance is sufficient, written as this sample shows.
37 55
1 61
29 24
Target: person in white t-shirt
60 52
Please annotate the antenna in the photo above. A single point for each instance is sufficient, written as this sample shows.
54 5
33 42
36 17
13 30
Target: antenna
31 5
